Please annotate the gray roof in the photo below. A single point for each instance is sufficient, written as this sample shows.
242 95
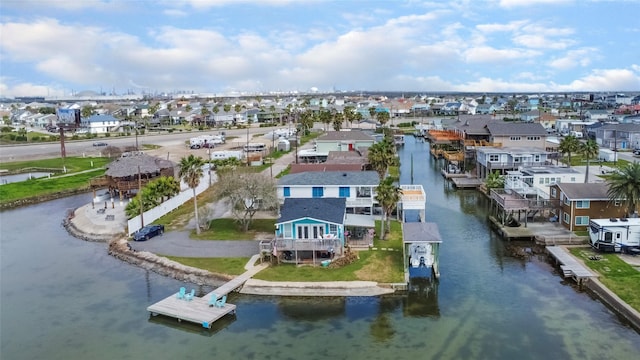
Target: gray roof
345 135
420 232
588 191
505 129
363 178
128 166
325 209
622 127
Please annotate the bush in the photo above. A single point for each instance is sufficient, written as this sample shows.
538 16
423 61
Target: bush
35 138
141 132
75 137
170 131
107 135
6 129
407 124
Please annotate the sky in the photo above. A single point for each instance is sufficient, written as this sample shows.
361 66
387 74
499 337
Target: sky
61 47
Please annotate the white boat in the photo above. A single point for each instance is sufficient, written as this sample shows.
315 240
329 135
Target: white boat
421 255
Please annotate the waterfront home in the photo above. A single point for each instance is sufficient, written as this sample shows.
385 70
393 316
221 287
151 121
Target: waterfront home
578 203
310 230
531 135
343 141
356 187
538 179
503 159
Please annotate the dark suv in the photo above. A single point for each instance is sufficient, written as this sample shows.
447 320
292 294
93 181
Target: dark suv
636 152
148 232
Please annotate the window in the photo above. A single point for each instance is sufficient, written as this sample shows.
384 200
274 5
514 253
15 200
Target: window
536 158
363 192
515 138
565 217
617 203
333 228
566 201
288 231
287 191
494 158
553 192
533 138
541 181
546 181
582 204
317 192
517 159
573 179
582 220
344 191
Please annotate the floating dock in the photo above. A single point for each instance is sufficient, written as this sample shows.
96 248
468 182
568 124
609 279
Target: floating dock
198 310
569 265
466 182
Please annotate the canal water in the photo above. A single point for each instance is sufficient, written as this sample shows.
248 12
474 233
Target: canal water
62 298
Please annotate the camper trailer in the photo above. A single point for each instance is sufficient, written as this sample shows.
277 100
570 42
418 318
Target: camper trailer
206 141
226 154
615 235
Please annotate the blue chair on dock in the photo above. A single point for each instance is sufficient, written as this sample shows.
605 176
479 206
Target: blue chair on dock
190 295
182 292
213 299
220 303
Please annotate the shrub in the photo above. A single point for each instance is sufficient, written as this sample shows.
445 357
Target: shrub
5 129
35 138
107 135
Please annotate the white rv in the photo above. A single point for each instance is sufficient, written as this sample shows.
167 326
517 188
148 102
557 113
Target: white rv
226 154
206 141
618 235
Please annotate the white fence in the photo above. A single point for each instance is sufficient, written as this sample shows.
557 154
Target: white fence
157 212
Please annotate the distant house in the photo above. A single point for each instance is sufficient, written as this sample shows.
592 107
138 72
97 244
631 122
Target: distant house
343 141
596 115
618 136
530 116
100 124
486 109
356 187
578 203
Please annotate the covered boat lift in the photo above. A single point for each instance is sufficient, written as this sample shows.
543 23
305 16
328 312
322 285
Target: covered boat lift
421 250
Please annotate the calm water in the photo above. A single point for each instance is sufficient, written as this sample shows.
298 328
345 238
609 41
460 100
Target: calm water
6 179
63 298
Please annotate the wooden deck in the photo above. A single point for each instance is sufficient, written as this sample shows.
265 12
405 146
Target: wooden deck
466 182
569 265
198 310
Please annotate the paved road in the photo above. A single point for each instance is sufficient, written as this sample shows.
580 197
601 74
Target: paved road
177 243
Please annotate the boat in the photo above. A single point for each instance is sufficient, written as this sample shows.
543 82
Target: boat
421 255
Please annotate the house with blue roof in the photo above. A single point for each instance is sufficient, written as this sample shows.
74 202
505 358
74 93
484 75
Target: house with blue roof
309 230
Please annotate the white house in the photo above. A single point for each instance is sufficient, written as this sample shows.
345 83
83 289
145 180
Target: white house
357 187
538 179
100 124
503 159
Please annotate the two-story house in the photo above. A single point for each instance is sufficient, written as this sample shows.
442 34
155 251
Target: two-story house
503 159
578 203
618 136
100 124
531 135
356 187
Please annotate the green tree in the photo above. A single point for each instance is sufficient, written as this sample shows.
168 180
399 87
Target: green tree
381 155
372 112
494 180
383 117
325 118
226 107
190 172
337 121
388 196
165 187
306 122
204 112
589 150
237 108
570 144
87 111
624 185
349 114
188 108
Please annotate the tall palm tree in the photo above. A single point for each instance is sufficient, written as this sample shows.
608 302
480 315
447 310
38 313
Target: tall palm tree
381 155
337 121
568 145
624 185
387 195
191 172
383 117
589 150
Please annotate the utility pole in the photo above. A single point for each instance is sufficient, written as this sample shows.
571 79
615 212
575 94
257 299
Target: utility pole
140 198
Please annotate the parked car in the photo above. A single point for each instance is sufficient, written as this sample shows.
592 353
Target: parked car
636 152
148 232
100 143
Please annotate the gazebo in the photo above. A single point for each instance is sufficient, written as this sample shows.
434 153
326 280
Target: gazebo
132 170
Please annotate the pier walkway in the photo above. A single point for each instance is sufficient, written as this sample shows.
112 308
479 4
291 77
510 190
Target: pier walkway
569 265
198 309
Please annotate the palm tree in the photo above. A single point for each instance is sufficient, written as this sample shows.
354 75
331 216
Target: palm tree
381 155
191 172
624 185
495 180
589 150
383 117
337 121
568 145
166 187
372 112
387 195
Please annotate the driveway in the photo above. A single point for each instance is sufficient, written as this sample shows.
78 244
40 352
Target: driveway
178 243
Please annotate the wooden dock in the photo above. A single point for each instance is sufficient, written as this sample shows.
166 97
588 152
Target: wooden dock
198 310
466 182
569 265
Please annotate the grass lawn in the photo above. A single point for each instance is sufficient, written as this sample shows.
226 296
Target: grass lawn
394 238
73 164
229 229
178 218
228 266
620 277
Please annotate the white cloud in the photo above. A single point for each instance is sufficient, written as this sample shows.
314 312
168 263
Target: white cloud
606 80
573 58
531 3
508 27
485 54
